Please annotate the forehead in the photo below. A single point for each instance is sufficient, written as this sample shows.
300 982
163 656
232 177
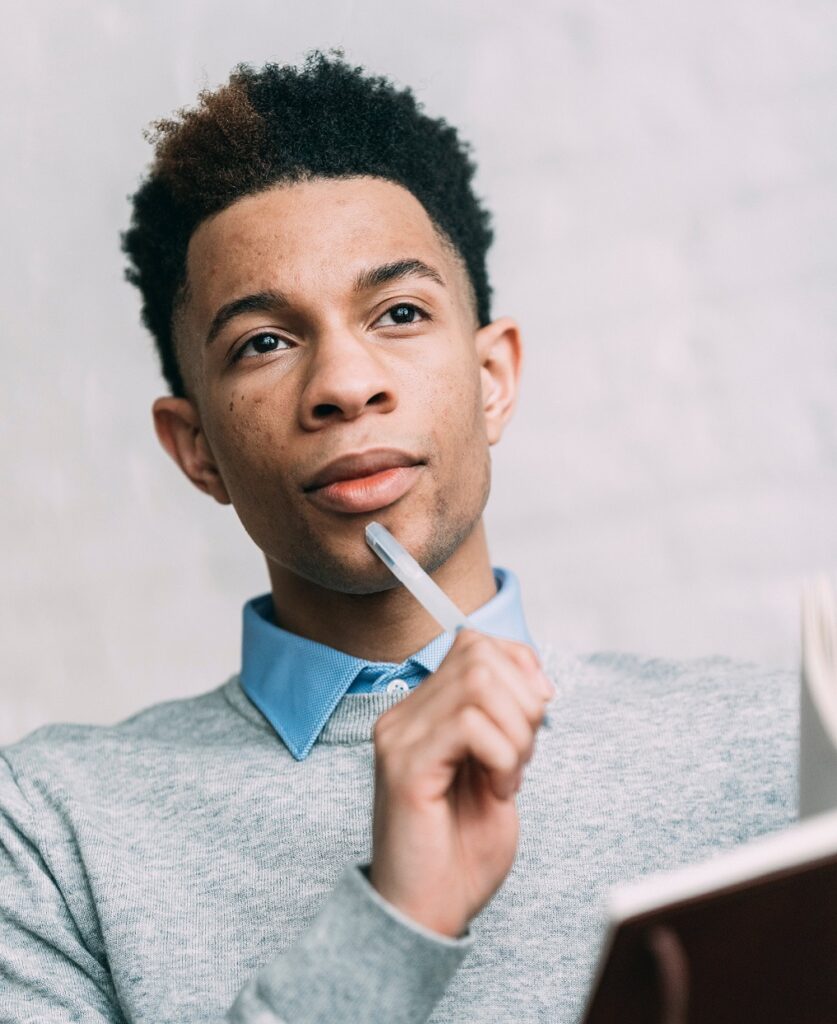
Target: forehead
312 234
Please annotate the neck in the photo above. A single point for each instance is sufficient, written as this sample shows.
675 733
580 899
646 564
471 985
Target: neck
387 626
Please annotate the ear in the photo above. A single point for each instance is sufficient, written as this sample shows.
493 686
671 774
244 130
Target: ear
500 354
178 427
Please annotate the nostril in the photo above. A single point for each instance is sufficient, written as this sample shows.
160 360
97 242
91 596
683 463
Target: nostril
322 411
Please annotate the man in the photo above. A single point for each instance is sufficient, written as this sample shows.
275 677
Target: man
344 830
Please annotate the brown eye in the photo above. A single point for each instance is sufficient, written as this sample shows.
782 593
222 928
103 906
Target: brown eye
404 313
264 343
261 344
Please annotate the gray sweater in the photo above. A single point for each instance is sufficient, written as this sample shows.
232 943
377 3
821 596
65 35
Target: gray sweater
182 866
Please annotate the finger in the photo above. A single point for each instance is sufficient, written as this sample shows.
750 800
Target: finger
525 656
455 661
516 664
486 678
497 690
453 684
470 733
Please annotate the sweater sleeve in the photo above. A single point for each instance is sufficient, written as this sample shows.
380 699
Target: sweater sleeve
360 959
47 970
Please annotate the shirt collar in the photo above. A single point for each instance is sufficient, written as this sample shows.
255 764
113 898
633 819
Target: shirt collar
297 683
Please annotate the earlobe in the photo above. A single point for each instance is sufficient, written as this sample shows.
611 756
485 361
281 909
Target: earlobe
178 427
500 352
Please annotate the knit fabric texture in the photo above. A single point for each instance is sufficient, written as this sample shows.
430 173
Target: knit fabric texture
183 866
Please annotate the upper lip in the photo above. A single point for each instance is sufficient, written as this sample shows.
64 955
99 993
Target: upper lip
348 467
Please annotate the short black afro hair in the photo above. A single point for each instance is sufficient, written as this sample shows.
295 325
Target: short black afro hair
286 124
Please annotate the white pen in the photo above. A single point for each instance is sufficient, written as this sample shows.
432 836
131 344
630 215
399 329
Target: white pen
429 594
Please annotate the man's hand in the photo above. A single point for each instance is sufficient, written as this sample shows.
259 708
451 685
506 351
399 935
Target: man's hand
449 760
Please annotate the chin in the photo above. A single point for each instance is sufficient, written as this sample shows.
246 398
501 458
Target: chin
431 552
346 576
349 566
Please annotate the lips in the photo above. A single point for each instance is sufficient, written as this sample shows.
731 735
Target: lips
361 464
364 482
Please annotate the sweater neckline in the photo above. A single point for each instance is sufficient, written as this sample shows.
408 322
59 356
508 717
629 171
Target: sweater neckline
353 720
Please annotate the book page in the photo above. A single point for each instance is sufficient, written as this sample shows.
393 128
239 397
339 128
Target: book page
818 700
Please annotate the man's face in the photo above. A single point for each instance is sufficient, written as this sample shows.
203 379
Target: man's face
310 367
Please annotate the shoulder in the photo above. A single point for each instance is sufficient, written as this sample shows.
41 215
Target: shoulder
742 695
696 738
696 708
57 760
715 680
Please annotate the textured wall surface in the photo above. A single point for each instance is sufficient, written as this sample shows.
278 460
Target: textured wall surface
663 178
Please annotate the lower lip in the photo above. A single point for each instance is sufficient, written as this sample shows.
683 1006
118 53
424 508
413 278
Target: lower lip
366 493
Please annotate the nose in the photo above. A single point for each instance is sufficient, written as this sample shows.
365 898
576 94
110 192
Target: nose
346 375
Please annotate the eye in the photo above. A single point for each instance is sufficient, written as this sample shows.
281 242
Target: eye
403 313
261 344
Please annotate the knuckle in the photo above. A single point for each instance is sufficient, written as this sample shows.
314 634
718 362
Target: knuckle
470 719
475 680
532 660
535 712
480 643
509 759
525 744
527 658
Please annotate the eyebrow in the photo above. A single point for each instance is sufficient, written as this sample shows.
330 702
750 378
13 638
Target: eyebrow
270 300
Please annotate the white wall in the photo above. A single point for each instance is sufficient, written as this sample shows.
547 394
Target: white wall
663 182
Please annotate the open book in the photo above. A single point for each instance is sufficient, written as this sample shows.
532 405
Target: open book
751 934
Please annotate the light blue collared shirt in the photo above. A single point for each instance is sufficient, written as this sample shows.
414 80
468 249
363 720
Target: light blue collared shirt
297 683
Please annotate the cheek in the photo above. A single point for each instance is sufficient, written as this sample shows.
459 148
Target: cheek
452 388
461 400
248 443
453 415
